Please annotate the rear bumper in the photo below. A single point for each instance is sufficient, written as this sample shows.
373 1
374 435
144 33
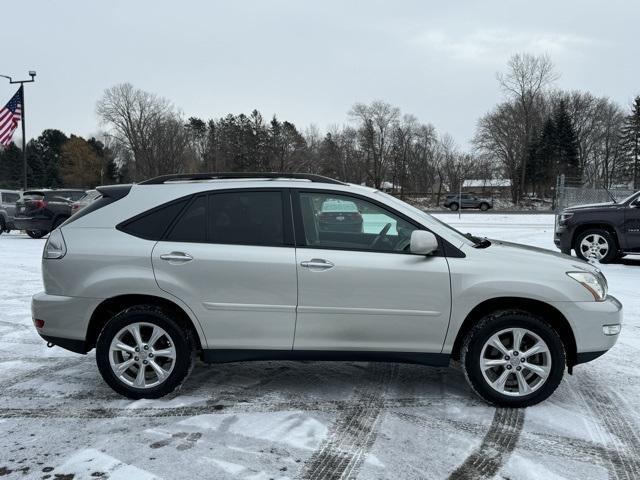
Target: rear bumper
587 320
31 223
66 319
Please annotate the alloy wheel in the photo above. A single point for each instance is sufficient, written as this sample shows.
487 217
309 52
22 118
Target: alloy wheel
515 362
594 246
142 355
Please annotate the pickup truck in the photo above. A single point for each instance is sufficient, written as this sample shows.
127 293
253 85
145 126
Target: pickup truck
600 231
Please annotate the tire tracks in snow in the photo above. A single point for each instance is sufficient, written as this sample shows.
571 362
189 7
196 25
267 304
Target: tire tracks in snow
496 447
623 457
353 433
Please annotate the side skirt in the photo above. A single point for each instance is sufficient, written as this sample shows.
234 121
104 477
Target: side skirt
233 355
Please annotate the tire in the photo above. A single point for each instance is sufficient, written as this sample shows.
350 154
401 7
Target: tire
484 207
150 317
454 207
3 226
601 237
476 347
36 233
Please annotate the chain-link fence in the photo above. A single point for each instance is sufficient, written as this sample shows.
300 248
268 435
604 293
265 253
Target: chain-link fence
568 196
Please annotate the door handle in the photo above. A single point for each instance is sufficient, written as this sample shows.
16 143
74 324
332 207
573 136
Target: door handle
317 264
179 257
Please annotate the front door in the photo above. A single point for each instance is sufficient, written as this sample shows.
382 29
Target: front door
632 226
230 257
359 288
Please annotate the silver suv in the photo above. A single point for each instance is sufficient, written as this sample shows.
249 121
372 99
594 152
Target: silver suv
235 267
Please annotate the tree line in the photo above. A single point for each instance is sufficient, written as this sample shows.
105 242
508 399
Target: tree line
535 134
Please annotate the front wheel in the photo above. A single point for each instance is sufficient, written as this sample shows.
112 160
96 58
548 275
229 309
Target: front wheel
513 359
143 353
597 244
484 207
36 233
454 207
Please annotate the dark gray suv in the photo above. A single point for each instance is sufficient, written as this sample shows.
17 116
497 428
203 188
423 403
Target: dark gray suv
467 200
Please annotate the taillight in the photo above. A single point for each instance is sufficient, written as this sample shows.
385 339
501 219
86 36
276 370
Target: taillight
55 247
40 204
38 323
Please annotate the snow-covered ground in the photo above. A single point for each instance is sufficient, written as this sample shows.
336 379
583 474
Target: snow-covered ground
311 420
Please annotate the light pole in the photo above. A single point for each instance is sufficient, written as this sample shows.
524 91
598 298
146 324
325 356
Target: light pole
32 74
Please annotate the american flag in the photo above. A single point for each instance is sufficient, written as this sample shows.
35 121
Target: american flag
10 115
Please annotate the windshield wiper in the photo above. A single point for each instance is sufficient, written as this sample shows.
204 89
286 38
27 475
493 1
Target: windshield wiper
479 242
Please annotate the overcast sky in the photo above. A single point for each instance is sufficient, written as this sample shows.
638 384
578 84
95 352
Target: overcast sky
308 62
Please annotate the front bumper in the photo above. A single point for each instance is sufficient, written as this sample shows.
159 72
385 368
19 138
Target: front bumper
562 238
587 320
66 319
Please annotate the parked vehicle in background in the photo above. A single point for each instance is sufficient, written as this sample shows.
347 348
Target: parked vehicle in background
40 211
90 196
602 231
467 200
339 216
233 267
8 199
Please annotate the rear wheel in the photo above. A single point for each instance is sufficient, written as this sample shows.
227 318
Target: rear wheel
143 353
598 244
36 233
454 206
3 226
484 207
513 359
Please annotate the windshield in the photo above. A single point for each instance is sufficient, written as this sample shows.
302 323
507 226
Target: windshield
429 218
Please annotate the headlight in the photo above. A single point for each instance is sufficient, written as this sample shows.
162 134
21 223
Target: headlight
55 246
562 219
594 283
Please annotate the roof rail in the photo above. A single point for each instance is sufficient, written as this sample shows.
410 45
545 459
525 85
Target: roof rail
247 175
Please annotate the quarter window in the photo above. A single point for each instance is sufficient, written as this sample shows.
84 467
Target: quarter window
152 225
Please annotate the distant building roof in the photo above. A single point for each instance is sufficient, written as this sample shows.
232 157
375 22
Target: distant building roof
489 182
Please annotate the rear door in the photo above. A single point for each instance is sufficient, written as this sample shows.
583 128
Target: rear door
230 257
362 290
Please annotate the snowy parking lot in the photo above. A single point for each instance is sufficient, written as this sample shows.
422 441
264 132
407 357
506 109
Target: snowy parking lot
311 420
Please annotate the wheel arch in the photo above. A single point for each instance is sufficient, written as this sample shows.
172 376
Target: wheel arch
111 306
548 313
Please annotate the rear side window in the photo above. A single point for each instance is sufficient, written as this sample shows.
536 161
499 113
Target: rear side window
192 225
246 218
10 197
151 225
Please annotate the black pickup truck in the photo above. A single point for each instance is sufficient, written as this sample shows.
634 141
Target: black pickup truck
602 231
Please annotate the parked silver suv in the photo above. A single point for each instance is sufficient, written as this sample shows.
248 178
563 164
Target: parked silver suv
234 267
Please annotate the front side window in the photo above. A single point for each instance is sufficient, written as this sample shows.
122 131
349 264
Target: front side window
340 221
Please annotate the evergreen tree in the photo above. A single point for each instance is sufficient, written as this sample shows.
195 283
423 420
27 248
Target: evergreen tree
631 141
11 167
566 144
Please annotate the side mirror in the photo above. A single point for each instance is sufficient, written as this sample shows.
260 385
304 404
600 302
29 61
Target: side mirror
423 242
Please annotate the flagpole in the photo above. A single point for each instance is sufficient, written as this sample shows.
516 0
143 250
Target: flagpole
32 74
24 142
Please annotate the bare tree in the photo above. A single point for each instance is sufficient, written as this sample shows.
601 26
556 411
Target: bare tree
135 119
524 82
376 122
